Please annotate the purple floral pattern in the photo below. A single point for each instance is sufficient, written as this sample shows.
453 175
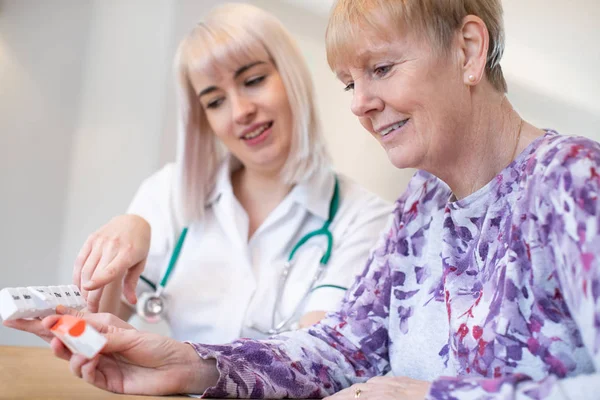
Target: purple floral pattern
493 296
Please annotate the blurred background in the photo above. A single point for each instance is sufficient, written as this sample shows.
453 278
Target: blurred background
87 109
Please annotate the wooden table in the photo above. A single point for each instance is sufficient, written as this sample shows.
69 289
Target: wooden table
35 373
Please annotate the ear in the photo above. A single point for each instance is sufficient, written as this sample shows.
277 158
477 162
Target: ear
474 40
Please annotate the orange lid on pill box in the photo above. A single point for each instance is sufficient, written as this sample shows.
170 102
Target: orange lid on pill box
67 324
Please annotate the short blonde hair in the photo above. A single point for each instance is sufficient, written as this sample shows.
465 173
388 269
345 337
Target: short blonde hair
437 19
231 34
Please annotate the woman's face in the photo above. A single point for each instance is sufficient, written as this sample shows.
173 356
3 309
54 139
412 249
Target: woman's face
409 98
248 109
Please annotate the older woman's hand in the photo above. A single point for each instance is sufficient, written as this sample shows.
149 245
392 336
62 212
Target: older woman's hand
135 362
385 388
36 327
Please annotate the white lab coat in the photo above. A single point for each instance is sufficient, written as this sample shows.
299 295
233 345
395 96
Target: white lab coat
223 283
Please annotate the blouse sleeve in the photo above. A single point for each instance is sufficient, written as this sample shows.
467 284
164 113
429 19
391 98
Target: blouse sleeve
347 347
568 203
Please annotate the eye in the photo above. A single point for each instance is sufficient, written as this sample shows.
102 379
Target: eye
382 70
349 87
255 81
215 103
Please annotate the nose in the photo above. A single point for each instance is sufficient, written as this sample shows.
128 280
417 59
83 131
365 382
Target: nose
244 109
364 102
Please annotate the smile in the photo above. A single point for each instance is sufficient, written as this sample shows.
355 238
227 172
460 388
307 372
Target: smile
392 128
257 132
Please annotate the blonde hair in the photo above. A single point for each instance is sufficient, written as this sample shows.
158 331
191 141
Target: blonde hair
235 33
438 20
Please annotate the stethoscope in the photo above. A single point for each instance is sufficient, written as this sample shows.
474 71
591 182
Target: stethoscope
152 306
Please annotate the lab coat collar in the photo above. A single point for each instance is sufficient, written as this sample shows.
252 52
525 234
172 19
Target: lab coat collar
314 193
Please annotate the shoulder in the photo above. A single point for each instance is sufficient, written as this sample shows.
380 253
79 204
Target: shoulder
556 152
423 198
356 196
562 176
423 187
156 190
425 193
565 164
161 180
567 207
153 200
361 212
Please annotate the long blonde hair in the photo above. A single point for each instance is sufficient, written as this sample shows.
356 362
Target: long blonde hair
229 34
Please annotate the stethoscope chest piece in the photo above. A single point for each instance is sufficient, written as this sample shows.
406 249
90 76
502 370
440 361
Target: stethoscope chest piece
151 306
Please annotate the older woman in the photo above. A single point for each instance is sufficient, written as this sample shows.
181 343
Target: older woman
486 283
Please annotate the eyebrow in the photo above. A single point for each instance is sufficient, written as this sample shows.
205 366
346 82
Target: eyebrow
237 73
364 56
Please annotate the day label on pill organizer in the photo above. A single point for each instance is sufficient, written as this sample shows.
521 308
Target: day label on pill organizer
38 301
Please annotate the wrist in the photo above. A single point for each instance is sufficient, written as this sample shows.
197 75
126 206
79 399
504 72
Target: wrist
196 374
110 301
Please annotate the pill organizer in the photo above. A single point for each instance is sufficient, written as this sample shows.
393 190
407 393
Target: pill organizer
38 301
79 336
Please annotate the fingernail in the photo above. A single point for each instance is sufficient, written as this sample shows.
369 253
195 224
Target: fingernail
60 309
89 283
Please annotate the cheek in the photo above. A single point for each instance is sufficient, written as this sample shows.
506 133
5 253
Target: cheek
283 110
276 93
285 105
446 109
282 101
366 123
219 124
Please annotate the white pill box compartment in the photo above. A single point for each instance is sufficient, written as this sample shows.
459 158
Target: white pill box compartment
38 301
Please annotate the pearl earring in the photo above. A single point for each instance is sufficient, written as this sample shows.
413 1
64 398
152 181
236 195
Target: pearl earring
472 78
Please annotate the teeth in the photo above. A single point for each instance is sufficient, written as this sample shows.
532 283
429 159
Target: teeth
256 132
393 127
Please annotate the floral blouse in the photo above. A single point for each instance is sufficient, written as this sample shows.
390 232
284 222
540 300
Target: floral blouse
496 295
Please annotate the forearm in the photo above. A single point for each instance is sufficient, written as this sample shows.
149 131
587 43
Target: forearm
581 387
297 364
317 362
311 318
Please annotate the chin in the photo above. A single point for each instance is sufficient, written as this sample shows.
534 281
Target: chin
269 161
401 158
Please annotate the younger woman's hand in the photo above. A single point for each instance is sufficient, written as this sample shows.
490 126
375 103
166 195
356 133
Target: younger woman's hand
115 252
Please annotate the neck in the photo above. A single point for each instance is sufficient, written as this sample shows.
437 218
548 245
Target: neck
486 145
259 193
259 184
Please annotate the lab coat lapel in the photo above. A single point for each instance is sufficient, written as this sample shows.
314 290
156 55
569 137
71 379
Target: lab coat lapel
230 214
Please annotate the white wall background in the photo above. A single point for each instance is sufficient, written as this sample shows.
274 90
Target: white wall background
42 50
552 61
87 109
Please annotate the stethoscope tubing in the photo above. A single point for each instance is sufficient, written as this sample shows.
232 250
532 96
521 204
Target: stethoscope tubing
275 328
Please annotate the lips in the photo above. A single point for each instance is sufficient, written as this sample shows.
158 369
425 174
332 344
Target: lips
390 128
256 130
